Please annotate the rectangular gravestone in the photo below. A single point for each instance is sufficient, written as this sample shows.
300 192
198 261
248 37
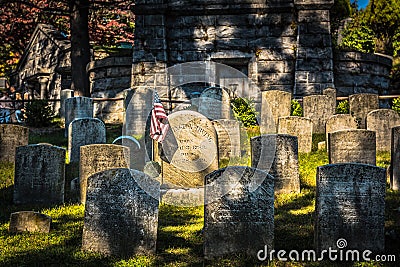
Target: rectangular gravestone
319 109
64 94
29 221
300 127
238 212
215 104
361 104
340 122
77 108
121 213
382 121
11 137
228 133
350 207
274 104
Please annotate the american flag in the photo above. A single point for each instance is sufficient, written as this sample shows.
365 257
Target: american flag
159 123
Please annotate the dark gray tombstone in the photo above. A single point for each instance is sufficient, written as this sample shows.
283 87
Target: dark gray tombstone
395 159
78 107
39 174
12 136
239 212
319 109
361 105
29 221
121 213
350 207
215 104
278 155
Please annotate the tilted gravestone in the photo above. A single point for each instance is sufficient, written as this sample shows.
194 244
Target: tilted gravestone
300 127
100 157
78 107
228 133
281 149
340 122
361 105
240 219
350 205
39 174
352 146
319 109
12 136
121 213
84 132
395 159
215 104
382 121
274 104
29 221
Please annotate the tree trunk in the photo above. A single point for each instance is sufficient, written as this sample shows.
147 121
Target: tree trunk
80 48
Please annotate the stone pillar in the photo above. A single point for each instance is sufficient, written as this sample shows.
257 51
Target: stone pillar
43 80
314 63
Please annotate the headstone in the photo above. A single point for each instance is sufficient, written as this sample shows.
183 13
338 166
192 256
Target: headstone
282 149
78 107
350 207
138 105
100 157
319 109
228 133
352 146
39 174
29 221
191 149
121 213
300 127
274 104
395 159
215 104
340 122
84 132
331 94
64 94
382 121
12 136
361 105
240 220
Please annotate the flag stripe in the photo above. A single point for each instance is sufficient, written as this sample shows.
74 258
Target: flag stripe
158 127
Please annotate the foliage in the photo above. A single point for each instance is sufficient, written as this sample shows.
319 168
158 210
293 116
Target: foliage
396 104
358 36
343 107
244 110
39 113
341 9
295 108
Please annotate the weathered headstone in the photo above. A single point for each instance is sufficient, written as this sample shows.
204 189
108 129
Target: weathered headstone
39 174
193 151
84 132
319 109
12 136
240 220
331 94
64 94
138 105
78 107
395 159
100 157
121 213
29 221
300 127
215 104
352 146
361 105
282 149
274 104
350 208
228 132
382 121
340 122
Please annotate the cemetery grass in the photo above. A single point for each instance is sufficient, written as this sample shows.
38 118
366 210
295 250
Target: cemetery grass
180 241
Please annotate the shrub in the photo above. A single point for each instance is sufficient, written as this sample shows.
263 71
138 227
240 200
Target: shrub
39 113
295 108
244 110
343 107
359 37
396 104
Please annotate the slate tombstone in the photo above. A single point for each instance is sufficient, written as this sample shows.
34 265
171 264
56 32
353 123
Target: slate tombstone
278 155
298 126
382 121
121 213
241 219
12 136
319 109
352 146
274 104
214 103
78 107
395 159
100 157
138 104
39 174
29 221
361 105
340 122
350 205
228 133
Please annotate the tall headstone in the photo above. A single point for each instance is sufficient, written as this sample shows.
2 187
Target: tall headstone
215 104
191 149
242 219
29 221
121 213
39 174
138 105
382 121
350 208
331 94
395 159
340 122
78 107
274 104
12 136
352 146
100 157
83 132
64 94
300 127
282 149
361 105
228 133
319 109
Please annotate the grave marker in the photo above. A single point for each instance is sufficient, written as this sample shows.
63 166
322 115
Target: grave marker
319 109
300 127
274 104
78 107
11 137
361 105
215 104
29 221
382 121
